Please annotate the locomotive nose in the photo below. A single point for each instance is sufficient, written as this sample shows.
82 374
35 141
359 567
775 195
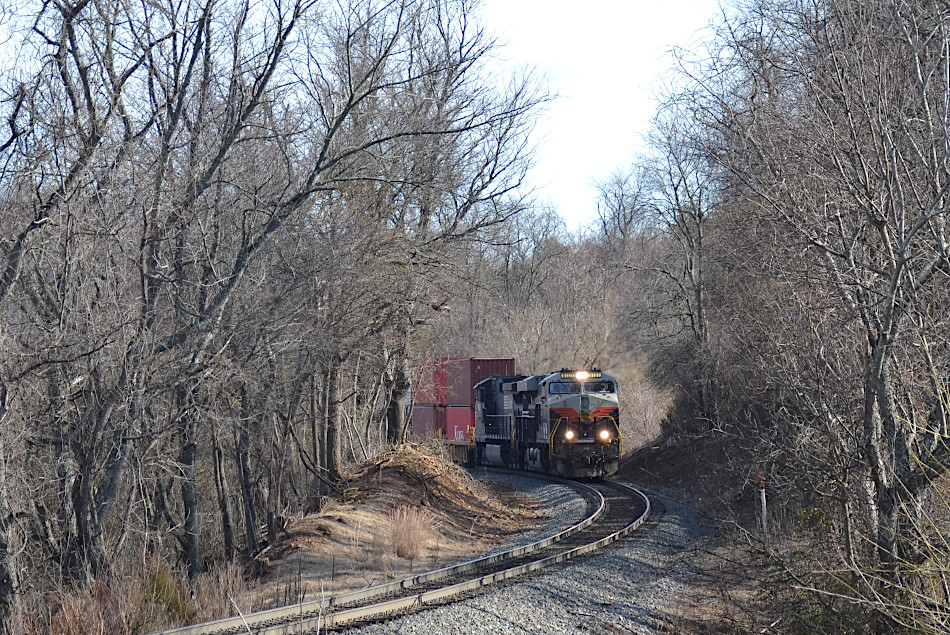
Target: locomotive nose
585 408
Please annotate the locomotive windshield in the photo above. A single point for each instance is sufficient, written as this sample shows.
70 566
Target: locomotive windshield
567 387
564 388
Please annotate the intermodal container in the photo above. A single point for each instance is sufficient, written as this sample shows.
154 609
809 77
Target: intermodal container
462 373
450 381
428 383
459 423
428 421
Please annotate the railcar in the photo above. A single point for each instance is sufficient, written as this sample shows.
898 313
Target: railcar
443 400
565 422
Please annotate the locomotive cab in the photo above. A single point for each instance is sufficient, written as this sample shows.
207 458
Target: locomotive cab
564 422
585 439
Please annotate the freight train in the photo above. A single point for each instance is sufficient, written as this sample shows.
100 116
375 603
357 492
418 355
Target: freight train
564 422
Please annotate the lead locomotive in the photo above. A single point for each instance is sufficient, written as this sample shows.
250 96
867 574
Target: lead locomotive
563 423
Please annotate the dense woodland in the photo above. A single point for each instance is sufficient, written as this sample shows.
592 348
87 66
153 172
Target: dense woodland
231 232
797 204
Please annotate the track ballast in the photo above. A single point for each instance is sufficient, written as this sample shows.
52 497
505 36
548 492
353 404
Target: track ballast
614 511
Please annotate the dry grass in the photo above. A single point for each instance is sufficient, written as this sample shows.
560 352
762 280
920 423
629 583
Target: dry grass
409 531
152 599
146 601
349 544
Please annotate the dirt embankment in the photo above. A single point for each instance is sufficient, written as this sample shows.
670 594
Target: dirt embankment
351 542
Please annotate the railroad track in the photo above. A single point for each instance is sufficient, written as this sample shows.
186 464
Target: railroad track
614 511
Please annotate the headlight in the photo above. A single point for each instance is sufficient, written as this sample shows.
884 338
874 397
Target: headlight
569 435
604 434
582 375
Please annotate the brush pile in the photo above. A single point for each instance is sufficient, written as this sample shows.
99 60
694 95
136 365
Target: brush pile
354 542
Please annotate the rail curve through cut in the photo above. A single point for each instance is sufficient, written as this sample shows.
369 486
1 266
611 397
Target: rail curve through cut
615 511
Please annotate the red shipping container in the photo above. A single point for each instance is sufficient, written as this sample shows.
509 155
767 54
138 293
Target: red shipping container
462 373
451 381
459 423
428 383
427 421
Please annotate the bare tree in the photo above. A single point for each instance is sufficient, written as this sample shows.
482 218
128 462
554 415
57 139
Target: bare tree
655 223
829 117
225 212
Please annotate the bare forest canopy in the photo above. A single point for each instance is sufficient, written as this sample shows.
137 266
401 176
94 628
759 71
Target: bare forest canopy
230 231
222 225
788 254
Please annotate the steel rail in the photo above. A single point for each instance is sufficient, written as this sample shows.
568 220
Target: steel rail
435 596
422 600
317 609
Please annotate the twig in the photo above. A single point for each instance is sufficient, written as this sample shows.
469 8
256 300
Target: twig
233 603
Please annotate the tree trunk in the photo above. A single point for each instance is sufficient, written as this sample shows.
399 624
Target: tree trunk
396 425
898 499
221 486
10 610
251 529
87 454
397 387
334 423
187 456
876 447
317 440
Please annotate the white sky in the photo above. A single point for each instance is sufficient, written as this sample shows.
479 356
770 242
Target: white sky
603 58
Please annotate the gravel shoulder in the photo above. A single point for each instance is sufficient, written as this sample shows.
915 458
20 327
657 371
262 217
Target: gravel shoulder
634 586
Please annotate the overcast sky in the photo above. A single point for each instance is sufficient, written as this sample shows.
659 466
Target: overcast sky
603 58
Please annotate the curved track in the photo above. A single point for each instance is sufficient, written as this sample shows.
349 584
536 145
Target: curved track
615 510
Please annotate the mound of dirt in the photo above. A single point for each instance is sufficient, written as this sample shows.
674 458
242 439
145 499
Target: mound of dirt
415 476
349 544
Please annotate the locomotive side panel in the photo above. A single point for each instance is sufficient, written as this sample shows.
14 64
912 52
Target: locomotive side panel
495 429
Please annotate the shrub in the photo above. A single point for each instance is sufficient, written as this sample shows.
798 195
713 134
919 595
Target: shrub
409 529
